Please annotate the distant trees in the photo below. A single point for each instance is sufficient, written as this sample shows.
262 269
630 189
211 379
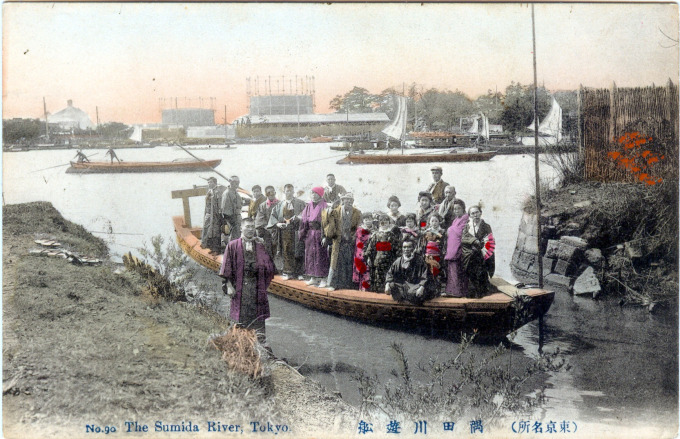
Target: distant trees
518 106
114 130
21 130
435 109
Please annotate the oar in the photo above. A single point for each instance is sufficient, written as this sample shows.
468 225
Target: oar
325 158
59 166
214 170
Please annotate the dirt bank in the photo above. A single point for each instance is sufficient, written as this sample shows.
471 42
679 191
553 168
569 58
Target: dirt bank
85 345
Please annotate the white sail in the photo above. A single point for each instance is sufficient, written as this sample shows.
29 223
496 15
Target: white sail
552 124
485 127
397 127
136 134
474 129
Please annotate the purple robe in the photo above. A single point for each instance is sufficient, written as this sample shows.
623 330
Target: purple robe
456 281
316 255
232 270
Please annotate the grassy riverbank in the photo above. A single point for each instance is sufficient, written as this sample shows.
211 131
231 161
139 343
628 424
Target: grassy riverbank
88 345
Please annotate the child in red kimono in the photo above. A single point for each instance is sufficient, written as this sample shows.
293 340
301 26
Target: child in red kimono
361 274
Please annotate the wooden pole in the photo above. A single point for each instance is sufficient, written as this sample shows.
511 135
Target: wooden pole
538 179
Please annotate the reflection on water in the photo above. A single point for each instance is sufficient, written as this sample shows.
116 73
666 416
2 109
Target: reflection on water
622 361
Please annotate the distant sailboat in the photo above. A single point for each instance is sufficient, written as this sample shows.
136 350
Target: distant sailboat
397 130
550 130
136 134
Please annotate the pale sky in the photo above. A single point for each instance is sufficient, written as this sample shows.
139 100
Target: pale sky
124 58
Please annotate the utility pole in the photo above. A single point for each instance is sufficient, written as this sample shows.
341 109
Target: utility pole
47 125
538 179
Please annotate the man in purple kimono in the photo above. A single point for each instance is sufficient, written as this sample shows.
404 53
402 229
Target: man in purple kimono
247 271
311 232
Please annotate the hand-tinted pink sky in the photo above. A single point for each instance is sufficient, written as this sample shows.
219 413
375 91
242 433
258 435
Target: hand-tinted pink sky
129 60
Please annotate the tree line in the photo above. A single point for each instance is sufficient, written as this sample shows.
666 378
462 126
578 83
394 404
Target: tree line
434 109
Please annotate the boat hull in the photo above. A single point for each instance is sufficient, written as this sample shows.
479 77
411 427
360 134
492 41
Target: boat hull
497 313
379 159
106 167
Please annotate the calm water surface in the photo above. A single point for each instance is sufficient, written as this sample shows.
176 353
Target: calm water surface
623 361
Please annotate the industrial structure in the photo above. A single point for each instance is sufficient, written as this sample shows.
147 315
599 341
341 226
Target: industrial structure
188 117
70 118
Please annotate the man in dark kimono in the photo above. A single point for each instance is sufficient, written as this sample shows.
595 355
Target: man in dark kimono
264 212
407 279
283 225
438 185
446 206
258 198
247 271
212 219
231 210
341 230
332 191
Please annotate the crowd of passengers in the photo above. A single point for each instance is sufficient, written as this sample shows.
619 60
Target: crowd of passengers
440 250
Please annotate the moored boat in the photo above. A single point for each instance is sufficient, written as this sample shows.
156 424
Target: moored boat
174 166
395 157
505 309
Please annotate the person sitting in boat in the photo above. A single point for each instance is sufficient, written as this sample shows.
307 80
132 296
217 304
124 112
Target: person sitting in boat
81 157
425 209
472 261
113 155
446 206
258 199
317 262
393 205
456 278
383 248
264 212
482 231
432 242
247 270
231 211
341 230
410 230
284 224
212 219
332 191
436 189
407 279
361 275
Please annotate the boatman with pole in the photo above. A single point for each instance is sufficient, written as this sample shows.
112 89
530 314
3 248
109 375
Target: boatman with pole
81 157
247 270
113 155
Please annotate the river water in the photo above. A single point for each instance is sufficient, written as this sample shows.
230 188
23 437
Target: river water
623 362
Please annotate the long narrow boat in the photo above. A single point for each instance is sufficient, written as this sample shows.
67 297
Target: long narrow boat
395 157
505 309
174 166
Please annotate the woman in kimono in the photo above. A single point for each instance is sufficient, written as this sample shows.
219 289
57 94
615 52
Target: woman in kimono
425 210
383 248
456 279
472 258
482 231
317 261
361 275
393 205
411 231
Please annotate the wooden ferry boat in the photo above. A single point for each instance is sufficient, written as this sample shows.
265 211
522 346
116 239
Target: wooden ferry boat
174 166
448 156
505 309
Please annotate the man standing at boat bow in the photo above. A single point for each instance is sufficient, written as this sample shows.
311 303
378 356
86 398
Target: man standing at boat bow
247 271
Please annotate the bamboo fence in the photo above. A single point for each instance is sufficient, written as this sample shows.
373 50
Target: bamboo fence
609 119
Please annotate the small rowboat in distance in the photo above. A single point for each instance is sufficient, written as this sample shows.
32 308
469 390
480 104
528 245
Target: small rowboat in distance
504 310
190 165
